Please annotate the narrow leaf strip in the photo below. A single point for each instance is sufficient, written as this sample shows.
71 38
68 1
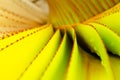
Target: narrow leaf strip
39 65
12 39
75 68
56 69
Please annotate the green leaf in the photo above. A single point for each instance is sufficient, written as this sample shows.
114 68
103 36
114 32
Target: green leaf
95 44
110 19
110 38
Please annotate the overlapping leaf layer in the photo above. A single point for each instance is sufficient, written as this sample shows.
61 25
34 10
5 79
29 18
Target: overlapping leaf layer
80 41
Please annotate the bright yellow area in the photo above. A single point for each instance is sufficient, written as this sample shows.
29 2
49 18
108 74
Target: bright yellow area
58 65
15 58
39 65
